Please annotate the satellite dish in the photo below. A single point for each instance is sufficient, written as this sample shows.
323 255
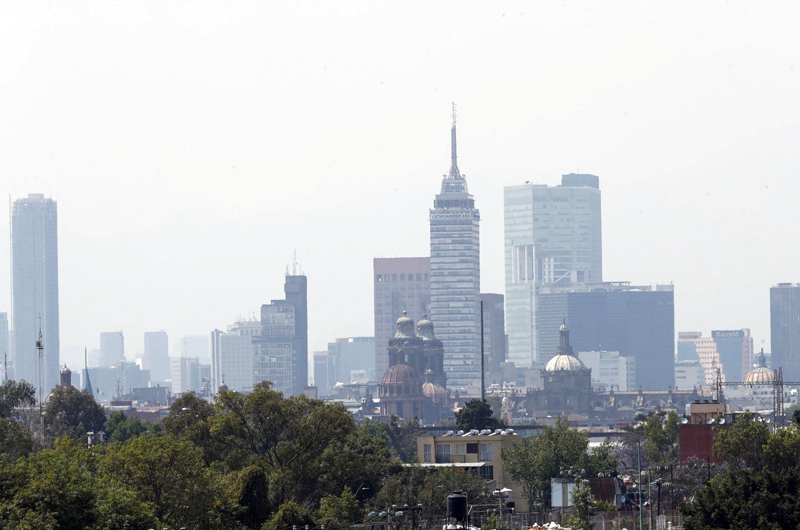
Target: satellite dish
710 421
722 421
684 421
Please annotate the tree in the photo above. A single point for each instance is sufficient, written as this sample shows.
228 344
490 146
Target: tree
168 474
290 515
584 505
15 440
338 512
252 494
477 414
288 436
758 484
71 412
121 428
15 394
402 438
193 418
535 460
57 489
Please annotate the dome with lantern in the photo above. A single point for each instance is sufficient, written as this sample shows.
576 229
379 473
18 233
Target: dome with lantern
760 374
564 360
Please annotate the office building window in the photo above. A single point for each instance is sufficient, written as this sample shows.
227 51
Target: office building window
443 453
426 452
485 452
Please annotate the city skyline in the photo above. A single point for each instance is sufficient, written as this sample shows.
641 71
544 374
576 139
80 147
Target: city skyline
689 186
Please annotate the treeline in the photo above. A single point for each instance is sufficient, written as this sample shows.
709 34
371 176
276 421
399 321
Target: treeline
254 461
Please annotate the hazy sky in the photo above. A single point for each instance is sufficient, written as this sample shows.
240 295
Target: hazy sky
193 145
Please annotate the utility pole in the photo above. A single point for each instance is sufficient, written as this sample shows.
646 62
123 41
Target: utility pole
639 481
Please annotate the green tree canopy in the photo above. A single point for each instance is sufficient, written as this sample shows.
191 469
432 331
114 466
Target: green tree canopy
477 414
15 394
756 487
121 428
168 474
71 412
535 460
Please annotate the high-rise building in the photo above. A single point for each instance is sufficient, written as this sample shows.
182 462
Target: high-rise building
784 309
401 284
553 236
112 348
195 346
610 371
636 321
353 354
693 346
108 382
156 356
5 343
494 332
456 275
730 351
689 375
324 372
232 357
735 347
282 356
34 264
185 375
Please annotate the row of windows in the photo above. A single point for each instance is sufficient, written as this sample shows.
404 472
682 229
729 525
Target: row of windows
393 277
443 451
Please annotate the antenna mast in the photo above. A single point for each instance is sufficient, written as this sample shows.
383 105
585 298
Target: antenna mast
40 348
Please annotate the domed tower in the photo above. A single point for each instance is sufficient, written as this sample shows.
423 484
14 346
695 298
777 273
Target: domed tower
435 399
763 376
432 352
400 392
66 376
566 382
403 339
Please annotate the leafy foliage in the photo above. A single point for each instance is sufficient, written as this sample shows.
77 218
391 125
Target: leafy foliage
757 487
121 428
536 459
477 414
15 394
71 412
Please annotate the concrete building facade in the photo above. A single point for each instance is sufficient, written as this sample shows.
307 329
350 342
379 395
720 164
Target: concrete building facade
477 452
689 375
232 358
34 289
112 348
553 236
456 276
784 308
494 332
352 355
401 284
636 321
610 370
282 355
156 356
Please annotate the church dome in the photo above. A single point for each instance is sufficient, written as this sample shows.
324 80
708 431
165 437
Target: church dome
760 374
425 329
564 360
435 393
405 327
401 373
560 362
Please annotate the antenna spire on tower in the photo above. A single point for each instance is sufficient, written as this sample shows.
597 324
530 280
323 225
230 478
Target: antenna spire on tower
454 173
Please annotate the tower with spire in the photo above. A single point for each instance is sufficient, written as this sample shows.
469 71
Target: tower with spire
455 274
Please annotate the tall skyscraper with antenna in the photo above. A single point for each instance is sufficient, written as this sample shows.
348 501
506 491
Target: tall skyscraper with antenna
456 275
34 264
